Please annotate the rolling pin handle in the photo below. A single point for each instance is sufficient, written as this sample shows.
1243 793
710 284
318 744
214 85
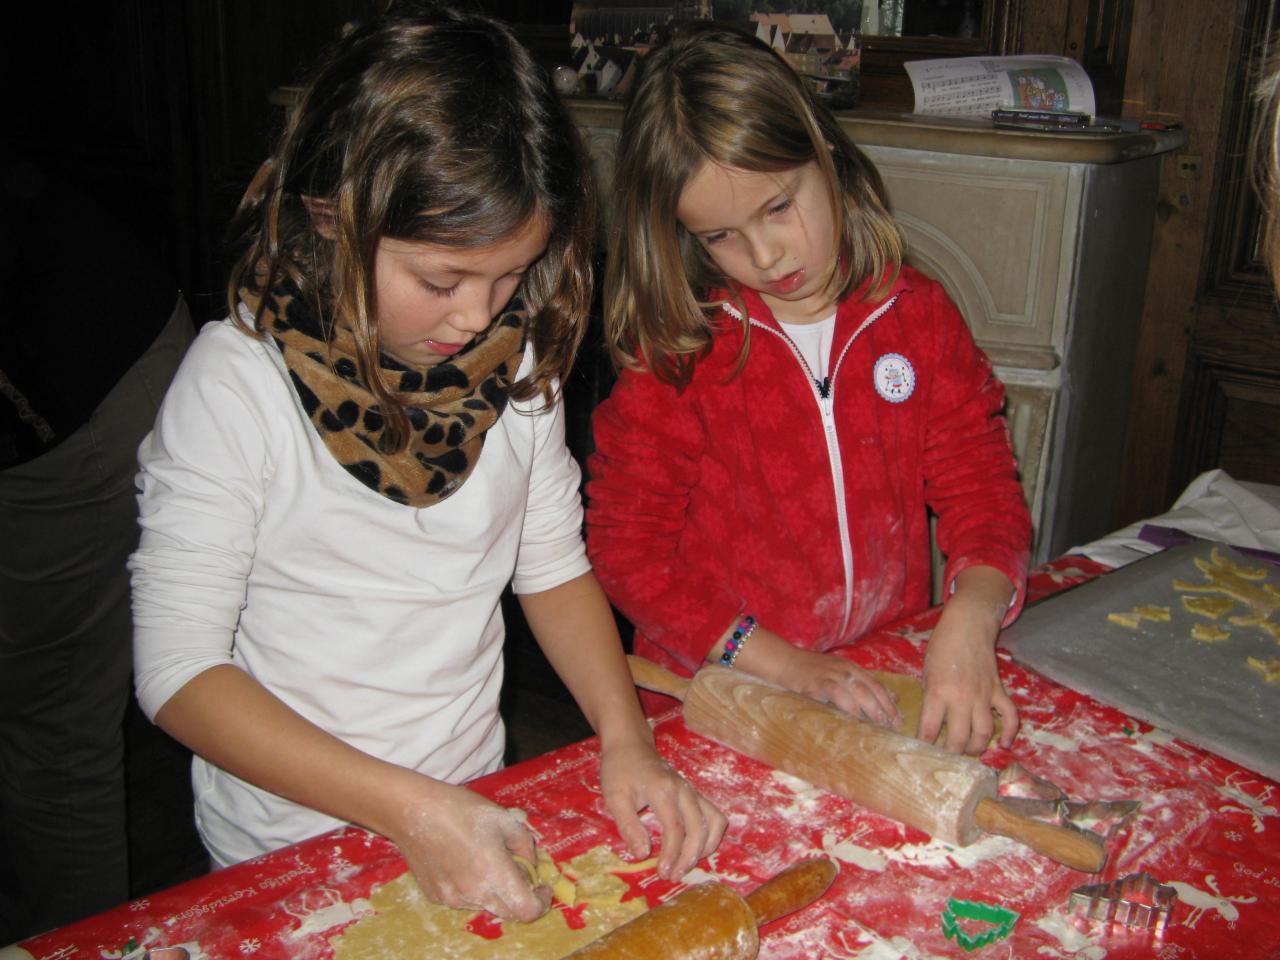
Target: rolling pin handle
650 676
1073 848
793 889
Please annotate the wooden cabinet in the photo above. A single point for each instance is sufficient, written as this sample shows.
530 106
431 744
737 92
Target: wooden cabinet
1043 242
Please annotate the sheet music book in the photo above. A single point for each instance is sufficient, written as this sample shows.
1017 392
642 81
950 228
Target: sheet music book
975 86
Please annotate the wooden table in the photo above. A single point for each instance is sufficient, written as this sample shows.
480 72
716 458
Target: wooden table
1206 826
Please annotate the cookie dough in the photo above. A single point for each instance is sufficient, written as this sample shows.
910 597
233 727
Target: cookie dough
1213 607
407 926
909 692
1209 633
1138 614
1247 585
1270 669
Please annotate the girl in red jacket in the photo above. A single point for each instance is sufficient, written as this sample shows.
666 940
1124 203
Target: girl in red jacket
793 404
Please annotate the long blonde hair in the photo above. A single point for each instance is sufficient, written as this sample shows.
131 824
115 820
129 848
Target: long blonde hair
714 93
425 124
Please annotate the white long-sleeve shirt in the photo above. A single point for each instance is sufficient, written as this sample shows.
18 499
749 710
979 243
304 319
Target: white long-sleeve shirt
376 621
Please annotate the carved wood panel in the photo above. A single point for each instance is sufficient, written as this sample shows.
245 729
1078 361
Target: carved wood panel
1230 411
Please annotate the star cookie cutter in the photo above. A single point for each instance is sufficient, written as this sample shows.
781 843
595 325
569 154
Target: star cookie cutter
1001 922
1135 900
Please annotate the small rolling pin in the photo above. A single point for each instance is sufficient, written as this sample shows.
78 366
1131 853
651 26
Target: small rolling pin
948 796
710 921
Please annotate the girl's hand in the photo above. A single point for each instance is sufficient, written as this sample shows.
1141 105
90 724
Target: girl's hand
633 776
961 679
843 684
819 676
460 847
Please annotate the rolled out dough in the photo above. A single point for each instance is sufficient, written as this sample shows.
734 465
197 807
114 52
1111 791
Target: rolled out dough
406 926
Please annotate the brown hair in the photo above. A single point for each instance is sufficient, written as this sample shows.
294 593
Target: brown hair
424 124
715 93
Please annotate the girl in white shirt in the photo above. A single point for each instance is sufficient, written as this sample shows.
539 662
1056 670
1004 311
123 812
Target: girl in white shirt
348 471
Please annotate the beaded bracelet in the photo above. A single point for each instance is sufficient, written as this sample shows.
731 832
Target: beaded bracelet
733 646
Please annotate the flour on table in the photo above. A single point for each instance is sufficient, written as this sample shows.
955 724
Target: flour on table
1072 941
1155 737
407 926
846 851
878 948
938 853
1037 735
794 784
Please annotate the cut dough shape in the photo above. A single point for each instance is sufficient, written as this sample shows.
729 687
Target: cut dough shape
909 692
407 926
1139 613
1208 606
1245 584
1209 633
1266 626
1130 620
1270 669
546 872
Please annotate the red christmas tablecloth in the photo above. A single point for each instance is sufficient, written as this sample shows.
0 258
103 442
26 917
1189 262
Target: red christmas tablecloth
1207 827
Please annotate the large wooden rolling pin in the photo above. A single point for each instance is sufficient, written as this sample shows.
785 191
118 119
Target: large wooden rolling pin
948 796
710 921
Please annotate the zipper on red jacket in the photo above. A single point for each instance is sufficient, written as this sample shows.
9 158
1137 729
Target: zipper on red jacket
826 410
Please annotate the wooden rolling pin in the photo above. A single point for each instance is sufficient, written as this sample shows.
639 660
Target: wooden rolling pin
948 796
710 921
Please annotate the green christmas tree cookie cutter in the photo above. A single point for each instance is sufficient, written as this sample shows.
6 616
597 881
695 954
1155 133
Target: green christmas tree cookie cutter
1001 922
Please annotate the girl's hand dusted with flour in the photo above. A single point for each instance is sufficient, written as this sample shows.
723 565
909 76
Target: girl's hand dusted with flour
460 846
633 777
961 679
820 676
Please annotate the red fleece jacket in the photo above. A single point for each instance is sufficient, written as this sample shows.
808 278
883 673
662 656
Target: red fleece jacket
753 494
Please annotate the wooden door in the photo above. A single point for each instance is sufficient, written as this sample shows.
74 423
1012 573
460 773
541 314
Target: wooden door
1206 384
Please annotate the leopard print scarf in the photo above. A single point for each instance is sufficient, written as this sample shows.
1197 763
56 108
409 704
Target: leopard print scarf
450 406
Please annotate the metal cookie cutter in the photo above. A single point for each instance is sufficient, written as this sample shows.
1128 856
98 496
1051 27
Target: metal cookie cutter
1135 900
1032 796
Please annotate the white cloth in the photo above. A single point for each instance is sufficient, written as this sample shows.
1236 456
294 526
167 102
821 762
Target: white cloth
1213 507
378 622
813 340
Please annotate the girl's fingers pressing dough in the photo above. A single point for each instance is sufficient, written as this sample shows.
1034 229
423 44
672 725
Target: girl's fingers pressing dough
1004 706
519 840
702 821
859 694
691 826
665 805
519 901
633 832
981 728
